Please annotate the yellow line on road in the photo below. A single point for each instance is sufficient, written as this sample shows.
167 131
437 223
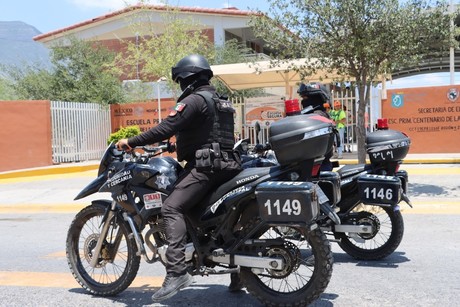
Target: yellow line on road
431 207
41 208
63 280
433 171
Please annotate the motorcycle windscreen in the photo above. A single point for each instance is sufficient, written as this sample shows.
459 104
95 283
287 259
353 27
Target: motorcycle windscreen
285 202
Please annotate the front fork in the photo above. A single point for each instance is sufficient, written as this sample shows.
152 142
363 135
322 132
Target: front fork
105 229
105 223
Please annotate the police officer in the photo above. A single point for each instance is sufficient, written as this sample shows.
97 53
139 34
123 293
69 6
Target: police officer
317 96
198 126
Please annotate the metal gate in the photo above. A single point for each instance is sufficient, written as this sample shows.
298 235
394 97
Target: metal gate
79 131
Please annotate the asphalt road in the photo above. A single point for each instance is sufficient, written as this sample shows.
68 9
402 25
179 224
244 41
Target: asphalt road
35 213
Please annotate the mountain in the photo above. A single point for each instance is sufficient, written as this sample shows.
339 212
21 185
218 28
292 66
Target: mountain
17 46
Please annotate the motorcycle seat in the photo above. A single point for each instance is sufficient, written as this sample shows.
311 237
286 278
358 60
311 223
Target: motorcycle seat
245 176
351 170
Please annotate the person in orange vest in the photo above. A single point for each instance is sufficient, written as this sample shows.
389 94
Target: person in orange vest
339 116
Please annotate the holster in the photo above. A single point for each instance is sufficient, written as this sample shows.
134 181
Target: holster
210 159
203 161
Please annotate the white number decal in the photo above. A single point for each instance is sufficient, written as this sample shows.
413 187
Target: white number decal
378 194
289 208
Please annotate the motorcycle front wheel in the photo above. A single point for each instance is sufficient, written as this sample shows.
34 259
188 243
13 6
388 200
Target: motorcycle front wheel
388 225
308 268
117 263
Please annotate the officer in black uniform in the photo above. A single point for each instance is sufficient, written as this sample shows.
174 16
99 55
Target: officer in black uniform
316 95
198 125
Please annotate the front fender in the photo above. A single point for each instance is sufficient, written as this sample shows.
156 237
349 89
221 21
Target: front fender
103 203
93 187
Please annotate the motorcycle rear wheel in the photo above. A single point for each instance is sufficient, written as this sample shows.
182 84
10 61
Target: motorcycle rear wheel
117 264
307 273
390 230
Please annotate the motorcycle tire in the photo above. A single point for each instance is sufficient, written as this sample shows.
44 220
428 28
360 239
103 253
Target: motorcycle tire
380 244
307 273
118 263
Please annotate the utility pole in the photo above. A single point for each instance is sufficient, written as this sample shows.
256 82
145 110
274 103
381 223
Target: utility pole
452 52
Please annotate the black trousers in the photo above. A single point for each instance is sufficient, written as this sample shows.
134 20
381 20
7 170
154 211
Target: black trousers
190 189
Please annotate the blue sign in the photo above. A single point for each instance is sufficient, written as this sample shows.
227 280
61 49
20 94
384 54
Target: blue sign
397 100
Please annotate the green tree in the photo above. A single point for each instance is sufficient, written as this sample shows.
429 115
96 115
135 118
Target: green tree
6 90
79 73
29 82
155 50
361 39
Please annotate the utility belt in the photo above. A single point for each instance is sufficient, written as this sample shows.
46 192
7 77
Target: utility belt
211 158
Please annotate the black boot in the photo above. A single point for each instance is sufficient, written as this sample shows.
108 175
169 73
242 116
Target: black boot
171 285
235 284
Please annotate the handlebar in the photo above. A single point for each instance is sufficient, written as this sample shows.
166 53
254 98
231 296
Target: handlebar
148 152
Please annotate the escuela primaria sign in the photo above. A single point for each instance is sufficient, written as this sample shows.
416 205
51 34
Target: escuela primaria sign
430 116
144 114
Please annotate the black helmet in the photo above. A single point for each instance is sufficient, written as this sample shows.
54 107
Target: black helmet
316 95
314 90
191 65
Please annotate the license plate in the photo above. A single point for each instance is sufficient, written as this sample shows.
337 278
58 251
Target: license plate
379 190
153 200
285 202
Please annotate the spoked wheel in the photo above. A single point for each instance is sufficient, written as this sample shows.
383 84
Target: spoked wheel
388 225
306 274
117 263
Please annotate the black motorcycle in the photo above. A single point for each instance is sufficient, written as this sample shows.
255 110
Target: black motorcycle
364 217
260 224
371 224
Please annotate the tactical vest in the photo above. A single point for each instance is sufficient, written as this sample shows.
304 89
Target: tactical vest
223 127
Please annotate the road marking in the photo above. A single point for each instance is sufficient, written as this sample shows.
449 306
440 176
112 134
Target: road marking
431 207
432 171
41 208
64 280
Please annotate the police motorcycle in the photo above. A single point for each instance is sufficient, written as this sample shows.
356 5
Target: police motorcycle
258 156
364 216
372 226
235 229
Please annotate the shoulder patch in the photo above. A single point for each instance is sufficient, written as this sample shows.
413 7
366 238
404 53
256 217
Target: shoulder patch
178 108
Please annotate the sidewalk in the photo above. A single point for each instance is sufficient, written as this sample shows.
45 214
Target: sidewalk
348 158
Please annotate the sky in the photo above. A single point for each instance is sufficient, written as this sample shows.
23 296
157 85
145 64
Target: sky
50 15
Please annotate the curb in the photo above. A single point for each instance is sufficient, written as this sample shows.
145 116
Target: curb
408 161
64 169
52 170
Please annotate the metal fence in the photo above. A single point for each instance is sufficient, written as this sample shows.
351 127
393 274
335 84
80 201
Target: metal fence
79 131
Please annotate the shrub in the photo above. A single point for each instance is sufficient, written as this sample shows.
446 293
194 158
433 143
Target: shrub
124 133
